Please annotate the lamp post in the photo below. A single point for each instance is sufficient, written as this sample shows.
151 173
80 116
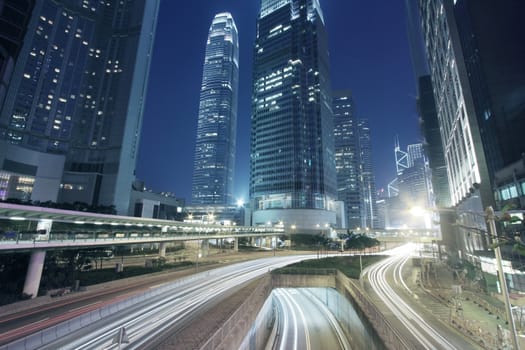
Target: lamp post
489 212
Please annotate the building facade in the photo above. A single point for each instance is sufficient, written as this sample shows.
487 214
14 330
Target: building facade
292 165
467 169
78 90
474 49
347 156
214 160
368 184
14 16
432 142
415 188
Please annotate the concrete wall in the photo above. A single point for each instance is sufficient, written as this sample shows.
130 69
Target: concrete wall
357 329
363 322
351 290
303 281
231 334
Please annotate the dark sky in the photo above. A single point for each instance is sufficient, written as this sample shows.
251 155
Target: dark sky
369 54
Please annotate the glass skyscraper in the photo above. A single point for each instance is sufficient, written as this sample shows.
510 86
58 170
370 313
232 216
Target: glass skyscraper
214 161
477 81
347 157
78 91
368 182
292 165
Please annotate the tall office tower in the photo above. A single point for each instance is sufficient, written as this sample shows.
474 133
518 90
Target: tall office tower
478 87
216 128
368 183
347 157
77 93
292 169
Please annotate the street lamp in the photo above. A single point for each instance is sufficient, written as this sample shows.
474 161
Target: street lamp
489 212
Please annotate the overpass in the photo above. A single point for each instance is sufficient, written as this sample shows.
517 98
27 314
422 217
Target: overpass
416 235
39 229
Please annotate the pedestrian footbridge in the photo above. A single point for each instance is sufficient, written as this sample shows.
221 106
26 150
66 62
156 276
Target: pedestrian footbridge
39 229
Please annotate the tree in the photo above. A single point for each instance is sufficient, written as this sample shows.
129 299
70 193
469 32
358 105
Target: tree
360 242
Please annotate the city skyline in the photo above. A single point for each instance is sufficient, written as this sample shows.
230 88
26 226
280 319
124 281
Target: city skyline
372 60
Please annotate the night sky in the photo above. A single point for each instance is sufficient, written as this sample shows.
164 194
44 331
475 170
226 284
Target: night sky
369 54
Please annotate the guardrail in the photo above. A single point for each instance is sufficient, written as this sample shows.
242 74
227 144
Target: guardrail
61 242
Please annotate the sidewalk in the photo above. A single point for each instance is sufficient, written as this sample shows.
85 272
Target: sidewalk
475 314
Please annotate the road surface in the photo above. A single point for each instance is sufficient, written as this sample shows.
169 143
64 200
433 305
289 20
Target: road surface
305 323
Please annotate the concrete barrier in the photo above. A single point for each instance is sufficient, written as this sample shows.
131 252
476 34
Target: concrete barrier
231 334
391 337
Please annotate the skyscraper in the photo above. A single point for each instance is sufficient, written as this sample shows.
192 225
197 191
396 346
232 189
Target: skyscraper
217 122
415 187
474 49
292 165
368 183
78 92
347 157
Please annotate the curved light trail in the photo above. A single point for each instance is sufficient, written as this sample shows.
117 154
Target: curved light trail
305 322
428 337
148 321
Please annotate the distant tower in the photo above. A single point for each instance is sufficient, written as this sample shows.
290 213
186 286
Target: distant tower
347 157
217 123
368 187
415 187
415 152
401 164
292 169
77 93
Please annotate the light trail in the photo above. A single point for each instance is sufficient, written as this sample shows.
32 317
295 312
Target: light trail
148 321
425 334
306 322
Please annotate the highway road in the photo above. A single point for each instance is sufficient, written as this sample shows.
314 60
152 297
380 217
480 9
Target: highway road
143 324
387 282
305 323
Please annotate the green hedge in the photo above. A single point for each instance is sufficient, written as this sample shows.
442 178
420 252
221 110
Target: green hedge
349 265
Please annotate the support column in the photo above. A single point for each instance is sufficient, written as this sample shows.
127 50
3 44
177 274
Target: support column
236 244
205 247
162 249
34 273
